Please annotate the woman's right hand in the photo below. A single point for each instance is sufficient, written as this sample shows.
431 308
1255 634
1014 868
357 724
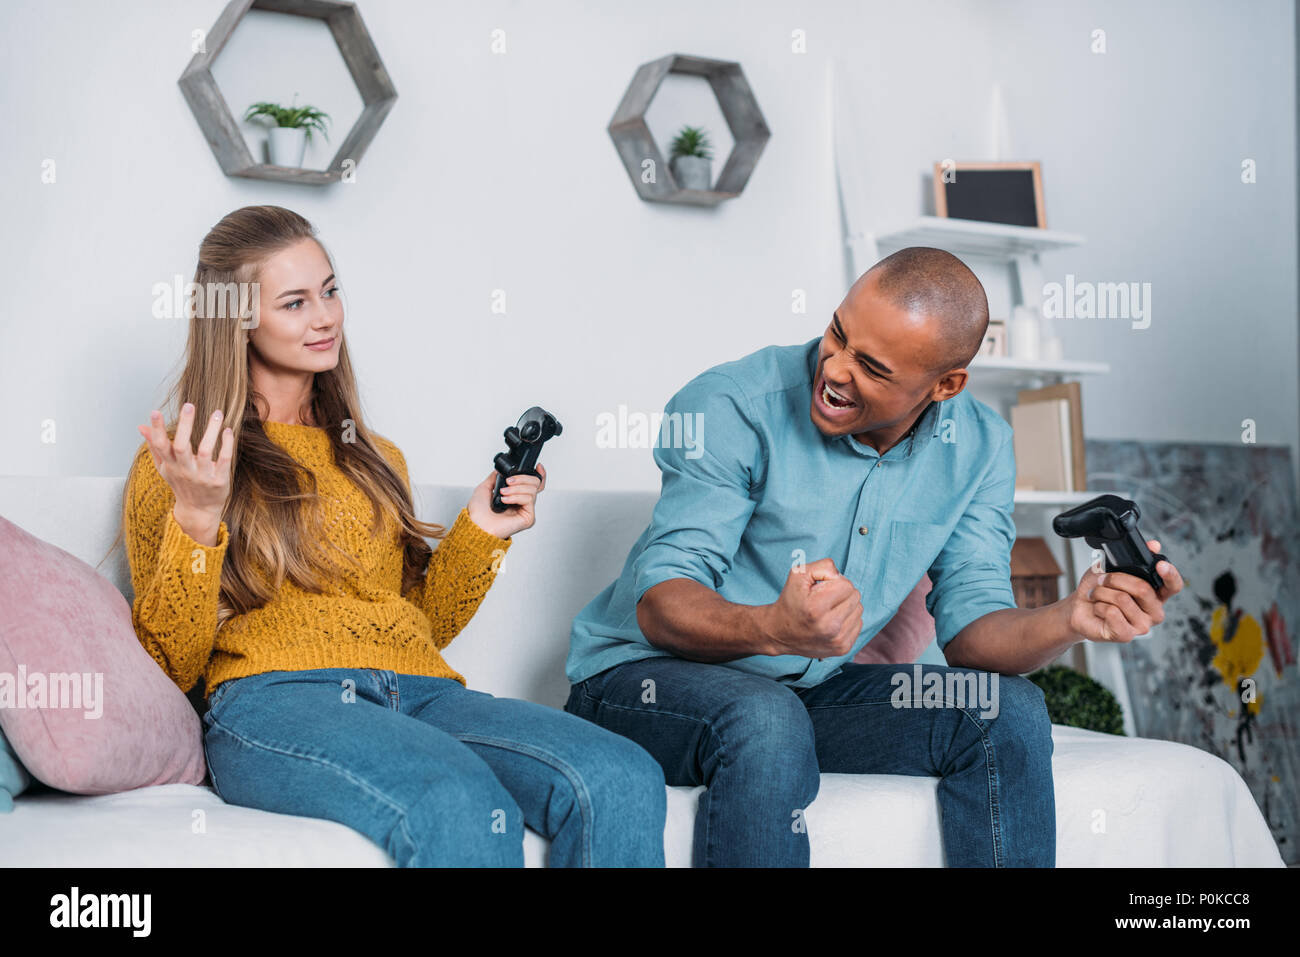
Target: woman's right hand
200 483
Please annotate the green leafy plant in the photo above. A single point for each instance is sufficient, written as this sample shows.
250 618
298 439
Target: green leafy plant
293 117
692 141
1076 700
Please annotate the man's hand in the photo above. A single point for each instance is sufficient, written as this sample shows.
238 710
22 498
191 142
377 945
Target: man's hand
818 614
1113 606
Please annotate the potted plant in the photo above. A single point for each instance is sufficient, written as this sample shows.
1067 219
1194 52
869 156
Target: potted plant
288 138
1076 700
692 156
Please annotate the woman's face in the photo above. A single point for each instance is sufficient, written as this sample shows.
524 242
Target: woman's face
300 314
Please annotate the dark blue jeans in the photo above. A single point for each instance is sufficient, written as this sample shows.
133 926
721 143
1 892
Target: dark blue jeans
759 746
435 774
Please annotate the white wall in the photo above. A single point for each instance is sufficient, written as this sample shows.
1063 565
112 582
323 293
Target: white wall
1143 149
495 171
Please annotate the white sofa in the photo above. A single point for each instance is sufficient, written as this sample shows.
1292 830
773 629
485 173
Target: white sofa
1120 801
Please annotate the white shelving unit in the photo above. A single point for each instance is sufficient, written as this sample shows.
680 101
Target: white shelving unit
1018 245
1030 373
973 238
1053 499
995 380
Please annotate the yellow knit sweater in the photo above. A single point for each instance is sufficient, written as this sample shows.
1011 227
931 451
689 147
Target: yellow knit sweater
362 621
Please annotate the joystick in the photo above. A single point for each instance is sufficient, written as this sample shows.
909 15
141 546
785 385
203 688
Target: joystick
524 442
1109 522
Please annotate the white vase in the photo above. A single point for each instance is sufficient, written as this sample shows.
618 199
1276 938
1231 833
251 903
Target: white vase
287 145
1024 333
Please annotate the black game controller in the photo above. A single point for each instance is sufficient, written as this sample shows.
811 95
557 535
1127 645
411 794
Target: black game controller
524 443
1109 522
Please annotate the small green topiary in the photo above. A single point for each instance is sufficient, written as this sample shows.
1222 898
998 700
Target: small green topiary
293 117
692 141
1076 700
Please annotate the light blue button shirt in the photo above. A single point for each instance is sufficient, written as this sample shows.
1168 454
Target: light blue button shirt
752 487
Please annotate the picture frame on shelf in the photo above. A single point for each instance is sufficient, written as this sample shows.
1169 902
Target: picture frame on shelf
1009 192
995 339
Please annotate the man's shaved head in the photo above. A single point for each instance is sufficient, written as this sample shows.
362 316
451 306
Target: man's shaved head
931 282
899 342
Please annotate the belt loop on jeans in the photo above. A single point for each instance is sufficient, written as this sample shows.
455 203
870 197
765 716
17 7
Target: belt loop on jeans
387 682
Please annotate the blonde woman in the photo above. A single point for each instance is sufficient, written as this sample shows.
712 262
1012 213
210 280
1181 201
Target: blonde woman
281 562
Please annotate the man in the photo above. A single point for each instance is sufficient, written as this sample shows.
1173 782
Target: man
831 476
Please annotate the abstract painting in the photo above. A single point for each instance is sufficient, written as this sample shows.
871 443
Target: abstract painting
1220 672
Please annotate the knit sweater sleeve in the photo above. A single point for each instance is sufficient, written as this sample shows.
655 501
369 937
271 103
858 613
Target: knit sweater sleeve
176 579
461 570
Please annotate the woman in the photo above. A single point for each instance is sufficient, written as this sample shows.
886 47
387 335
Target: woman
291 574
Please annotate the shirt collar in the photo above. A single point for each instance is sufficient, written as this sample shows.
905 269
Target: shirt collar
925 428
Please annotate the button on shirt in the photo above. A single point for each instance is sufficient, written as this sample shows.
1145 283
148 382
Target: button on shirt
751 488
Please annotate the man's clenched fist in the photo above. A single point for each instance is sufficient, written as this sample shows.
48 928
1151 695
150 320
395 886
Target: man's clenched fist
818 615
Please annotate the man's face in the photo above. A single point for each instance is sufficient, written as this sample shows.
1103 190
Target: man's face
879 360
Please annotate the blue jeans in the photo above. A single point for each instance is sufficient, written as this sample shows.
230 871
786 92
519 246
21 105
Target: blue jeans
433 773
759 747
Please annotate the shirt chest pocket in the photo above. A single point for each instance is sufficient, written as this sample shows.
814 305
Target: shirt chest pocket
913 547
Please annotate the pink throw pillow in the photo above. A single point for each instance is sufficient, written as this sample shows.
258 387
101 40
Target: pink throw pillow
63 626
908 633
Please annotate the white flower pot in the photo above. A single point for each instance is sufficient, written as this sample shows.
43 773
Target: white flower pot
286 146
692 172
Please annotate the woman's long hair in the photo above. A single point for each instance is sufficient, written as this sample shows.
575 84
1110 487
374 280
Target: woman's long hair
271 514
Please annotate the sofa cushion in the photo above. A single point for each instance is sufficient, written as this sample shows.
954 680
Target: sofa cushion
83 705
908 633
1168 805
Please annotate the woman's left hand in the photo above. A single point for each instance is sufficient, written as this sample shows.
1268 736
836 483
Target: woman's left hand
520 492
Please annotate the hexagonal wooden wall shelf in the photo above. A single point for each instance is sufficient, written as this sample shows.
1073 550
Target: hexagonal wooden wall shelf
635 145
359 53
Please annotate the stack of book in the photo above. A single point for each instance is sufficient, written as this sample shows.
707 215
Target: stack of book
1048 426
